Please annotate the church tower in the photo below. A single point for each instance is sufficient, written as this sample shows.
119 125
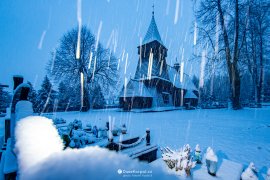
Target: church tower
152 55
156 84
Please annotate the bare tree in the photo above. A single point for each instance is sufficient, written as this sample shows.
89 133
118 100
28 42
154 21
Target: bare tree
257 44
95 64
220 27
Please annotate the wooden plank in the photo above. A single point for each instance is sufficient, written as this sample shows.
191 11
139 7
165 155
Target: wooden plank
146 154
7 129
10 164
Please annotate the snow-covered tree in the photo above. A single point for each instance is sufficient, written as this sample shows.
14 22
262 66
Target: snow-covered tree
90 60
46 97
5 99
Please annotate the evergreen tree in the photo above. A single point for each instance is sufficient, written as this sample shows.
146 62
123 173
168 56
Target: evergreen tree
63 97
98 100
69 97
46 97
5 99
32 96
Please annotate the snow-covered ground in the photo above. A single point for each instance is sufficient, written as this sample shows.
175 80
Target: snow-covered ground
241 136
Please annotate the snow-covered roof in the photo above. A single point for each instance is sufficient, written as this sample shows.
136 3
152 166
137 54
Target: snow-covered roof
190 95
18 76
135 88
175 78
152 33
153 77
142 70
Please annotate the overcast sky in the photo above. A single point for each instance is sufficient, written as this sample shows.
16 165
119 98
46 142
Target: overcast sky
31 29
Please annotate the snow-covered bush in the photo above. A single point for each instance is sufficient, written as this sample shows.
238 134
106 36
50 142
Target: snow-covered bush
74 136
76 124
179 160
59 121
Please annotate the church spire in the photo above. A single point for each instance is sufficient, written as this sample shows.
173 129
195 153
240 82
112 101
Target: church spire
152 33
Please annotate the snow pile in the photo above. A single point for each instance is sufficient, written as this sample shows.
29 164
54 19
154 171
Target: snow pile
197 148
250 173
22 110
41 156
87 163
210 155
36 139
211 161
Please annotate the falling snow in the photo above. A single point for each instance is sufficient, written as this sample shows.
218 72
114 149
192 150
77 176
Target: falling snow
239 136
176 11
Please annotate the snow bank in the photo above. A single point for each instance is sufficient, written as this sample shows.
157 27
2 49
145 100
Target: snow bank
87 163
41 156
36 139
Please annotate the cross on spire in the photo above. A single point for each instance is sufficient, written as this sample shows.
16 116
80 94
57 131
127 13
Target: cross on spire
153 12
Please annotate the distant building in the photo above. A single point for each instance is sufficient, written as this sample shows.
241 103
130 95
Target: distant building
156 84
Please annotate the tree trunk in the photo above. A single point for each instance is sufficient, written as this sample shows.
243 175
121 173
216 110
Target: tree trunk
232 66
260 83
236 82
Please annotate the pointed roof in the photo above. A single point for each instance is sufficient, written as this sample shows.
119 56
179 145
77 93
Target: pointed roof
152 32
175 78
190 95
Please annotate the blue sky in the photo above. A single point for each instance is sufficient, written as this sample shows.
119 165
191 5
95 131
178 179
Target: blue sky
23 23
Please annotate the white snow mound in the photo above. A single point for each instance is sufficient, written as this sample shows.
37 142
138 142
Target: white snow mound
36 139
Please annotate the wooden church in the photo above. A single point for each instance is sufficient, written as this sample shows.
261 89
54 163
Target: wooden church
157 84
